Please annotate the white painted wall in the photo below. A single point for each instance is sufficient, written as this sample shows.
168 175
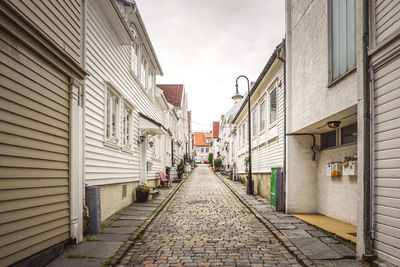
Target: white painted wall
267 145
311 100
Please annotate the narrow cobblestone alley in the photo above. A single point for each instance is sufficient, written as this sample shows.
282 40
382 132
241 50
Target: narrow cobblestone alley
206 225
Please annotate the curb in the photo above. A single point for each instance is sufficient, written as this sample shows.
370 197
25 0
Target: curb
290 247
119 255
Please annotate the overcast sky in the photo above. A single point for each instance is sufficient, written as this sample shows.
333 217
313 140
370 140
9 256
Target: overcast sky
206 44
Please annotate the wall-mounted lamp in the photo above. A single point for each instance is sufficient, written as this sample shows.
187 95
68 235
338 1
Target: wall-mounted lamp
333 124
141 139
151 143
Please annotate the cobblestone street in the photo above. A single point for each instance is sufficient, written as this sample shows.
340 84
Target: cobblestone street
206 225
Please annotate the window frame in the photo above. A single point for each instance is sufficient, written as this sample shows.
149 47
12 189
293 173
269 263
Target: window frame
129 125
254 127
272 123
110 89
349 69
134 64
262 116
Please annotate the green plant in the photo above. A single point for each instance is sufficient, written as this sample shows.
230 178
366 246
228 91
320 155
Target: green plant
195 165
246 163
227 177
210 158
217 163
181 167
92 239
143 188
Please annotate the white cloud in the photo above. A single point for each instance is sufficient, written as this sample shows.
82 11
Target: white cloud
206 44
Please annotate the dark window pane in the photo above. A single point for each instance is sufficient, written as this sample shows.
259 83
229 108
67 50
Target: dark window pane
328 139
349 134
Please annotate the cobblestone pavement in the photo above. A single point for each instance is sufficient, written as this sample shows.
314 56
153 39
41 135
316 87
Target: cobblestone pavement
206 225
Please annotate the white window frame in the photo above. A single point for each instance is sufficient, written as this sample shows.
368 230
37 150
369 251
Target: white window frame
271 123
127 126
114 140
135 58
143 70
262 116
254 122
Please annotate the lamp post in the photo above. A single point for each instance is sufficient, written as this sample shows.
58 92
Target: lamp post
236 98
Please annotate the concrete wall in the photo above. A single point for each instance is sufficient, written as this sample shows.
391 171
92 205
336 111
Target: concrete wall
111 199
262 183
301 180
337 196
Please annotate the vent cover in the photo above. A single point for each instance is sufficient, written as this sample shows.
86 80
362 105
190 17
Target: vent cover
124 190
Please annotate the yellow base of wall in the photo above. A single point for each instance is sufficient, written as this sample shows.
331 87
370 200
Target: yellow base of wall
330 225
262 183
111 199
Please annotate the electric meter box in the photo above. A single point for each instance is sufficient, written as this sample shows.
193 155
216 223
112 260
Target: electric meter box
350 169
334 169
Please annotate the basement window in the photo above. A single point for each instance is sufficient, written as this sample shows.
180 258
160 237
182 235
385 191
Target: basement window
349 134
328 139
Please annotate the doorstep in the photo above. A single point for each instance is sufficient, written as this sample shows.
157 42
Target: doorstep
341 229
118 232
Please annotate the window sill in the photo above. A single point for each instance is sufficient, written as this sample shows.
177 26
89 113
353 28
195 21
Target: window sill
111 145
128 150
139 83
272 125
341 77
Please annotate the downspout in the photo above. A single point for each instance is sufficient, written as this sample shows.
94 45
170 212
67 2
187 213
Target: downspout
284 115
313 147
83 104
368 256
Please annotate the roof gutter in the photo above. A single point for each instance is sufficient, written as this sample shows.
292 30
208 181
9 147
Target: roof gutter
259 79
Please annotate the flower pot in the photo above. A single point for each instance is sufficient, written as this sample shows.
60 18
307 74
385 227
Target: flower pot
142 196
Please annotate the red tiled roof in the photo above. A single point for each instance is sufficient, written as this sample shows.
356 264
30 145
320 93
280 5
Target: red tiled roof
173 93
216 129
208 135
200 139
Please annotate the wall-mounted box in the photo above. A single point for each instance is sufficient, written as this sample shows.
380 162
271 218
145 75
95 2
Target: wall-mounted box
336 169
329 169
350 168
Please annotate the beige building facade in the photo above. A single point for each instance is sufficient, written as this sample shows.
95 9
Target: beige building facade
40 182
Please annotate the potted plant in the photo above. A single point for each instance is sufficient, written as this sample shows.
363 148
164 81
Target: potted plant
180 169
142 193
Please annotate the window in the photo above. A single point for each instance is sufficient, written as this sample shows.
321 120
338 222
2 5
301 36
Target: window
112 110
149 82
134 58
328 139
202 150
349 134
126 127
240 136
342 37
143 68
262 118
255 123
207 149
243 133
272 106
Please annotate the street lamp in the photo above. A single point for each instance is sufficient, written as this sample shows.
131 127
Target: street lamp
237 97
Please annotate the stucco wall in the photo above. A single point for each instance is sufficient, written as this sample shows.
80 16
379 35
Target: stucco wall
301 180
111 199
337 196
311 98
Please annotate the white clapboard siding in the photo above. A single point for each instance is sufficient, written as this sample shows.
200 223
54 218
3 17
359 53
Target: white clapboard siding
387 19
34 152
109 61
266 154
387 160
59 21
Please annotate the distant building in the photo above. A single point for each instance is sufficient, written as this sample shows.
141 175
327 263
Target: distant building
202 146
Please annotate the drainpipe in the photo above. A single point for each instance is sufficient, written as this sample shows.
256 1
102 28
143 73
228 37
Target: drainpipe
284 113
83 97
313 147
368 256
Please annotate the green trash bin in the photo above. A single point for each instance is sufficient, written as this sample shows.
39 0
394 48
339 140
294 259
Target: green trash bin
272 196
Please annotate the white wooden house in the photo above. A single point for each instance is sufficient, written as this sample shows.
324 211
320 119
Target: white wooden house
123 111
266 127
